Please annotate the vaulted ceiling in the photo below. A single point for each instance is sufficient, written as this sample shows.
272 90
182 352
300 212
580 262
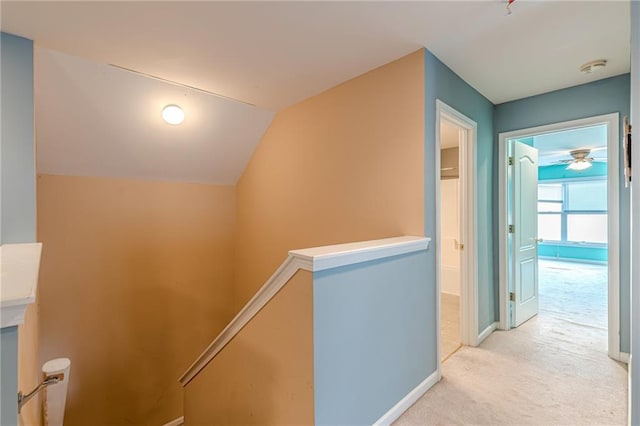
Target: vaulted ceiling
272 55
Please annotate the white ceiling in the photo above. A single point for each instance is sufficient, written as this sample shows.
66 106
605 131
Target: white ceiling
272 54
96 120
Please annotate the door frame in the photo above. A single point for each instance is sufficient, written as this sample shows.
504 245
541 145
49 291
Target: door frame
468 236
613 219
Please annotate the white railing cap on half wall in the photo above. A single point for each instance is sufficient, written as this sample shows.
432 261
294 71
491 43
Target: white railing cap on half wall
313 260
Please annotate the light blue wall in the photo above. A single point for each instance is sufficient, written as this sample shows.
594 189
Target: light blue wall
17 164
8 367
374 337
17 186
587 100
443 84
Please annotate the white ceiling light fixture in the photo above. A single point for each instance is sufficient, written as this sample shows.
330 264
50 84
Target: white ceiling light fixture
581 160
173 114
579 165
593 66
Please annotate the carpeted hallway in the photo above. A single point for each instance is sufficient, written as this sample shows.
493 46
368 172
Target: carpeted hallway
552 370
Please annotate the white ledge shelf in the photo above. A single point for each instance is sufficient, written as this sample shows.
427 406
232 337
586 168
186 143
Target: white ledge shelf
311 259
19 267
329 257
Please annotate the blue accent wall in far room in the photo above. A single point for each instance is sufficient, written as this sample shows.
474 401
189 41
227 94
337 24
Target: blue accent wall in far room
443 84
573 252
560 171
605 96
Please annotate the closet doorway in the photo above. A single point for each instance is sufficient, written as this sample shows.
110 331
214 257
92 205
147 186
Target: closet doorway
455 242
450 259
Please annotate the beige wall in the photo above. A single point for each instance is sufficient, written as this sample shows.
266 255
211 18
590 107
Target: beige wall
264 376
346 165
29 367
135 281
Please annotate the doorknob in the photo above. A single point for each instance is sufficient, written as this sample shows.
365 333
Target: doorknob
537 240
458 245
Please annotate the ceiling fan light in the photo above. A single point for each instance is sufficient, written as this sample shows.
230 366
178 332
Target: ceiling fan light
579 165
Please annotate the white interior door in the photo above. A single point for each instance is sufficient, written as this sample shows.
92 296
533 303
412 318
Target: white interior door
524 276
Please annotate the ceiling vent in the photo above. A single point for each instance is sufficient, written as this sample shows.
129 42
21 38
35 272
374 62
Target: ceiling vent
593 66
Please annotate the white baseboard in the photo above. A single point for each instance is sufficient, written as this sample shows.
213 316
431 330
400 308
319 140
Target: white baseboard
406 402
630 387
487 331
619 356
177 422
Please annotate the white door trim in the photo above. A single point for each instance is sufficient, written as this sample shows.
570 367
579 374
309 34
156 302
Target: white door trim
613 216
468 236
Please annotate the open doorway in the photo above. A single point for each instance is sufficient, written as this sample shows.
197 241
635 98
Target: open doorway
559 227
450 259
455 240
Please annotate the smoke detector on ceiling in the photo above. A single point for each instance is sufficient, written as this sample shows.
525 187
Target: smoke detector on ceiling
593 66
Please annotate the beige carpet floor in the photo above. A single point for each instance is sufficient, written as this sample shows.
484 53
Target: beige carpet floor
449 324
549 371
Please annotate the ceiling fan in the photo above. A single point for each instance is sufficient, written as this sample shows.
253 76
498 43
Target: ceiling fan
580 159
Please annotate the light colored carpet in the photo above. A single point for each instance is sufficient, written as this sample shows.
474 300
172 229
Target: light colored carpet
574 291
449 324
552 370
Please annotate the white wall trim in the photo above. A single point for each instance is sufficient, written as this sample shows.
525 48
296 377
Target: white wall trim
468 220
19 270
313 259
487 331
630 409
613 214
634 370
329 257
624 357
403 405
176 422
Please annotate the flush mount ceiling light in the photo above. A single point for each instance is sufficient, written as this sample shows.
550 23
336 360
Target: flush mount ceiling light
593 66
173 114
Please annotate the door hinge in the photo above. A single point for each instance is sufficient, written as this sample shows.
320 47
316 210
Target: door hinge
512 296
511 161
511 229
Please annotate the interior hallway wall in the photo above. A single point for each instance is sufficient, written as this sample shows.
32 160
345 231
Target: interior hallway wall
345 165
18 219
135 281
600 97
443 84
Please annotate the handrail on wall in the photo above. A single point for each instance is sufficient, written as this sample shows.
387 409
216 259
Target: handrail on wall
311 259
